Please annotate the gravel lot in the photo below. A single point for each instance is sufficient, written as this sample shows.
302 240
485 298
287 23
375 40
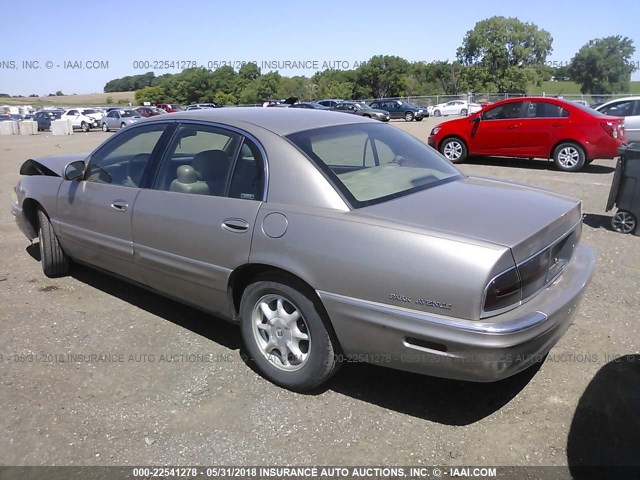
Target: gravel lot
580 406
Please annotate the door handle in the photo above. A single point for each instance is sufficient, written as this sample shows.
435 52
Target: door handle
511 127
235 225
556 124
119 206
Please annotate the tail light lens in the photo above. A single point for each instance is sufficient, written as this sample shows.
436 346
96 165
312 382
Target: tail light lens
503 291
613 130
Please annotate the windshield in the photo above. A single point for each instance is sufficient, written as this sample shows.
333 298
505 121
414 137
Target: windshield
87 111
374 163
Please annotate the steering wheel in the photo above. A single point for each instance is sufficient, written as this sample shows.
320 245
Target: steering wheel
135 167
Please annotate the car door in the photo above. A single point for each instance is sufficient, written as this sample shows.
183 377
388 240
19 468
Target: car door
497 132
95 212
543 124
195 226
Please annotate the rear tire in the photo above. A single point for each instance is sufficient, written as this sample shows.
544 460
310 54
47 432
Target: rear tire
454 150
285 335
436 113
624 222
85 127
55 262
463 112
569 157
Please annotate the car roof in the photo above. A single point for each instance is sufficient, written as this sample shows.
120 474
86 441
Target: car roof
282 121
636 97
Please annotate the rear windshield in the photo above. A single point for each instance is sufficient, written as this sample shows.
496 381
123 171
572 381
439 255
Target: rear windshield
372 163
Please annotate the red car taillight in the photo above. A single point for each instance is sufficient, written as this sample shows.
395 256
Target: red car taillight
614 130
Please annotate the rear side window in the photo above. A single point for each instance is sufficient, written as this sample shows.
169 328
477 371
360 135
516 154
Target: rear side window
545 110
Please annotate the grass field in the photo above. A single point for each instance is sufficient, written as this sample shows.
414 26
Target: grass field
571 88
116 98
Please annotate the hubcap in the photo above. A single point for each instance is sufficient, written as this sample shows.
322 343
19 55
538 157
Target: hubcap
568 157
281 332
623 222
452 150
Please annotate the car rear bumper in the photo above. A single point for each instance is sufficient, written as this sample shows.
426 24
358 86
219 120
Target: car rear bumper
481 351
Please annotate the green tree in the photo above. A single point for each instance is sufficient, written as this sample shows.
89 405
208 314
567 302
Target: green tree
506 54
384 76
59 93
152 95
604 65
266 86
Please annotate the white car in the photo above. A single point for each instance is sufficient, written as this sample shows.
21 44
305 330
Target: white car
454 107
93 113
79 120
629 108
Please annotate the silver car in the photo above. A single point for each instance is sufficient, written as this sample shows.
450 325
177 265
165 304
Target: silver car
327 237
629 108
117 119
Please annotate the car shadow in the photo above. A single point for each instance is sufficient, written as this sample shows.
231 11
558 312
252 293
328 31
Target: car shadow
605 430
595 220
533 164
201 323
435 399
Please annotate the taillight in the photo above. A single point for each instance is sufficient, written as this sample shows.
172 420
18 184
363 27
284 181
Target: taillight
612 129
503 291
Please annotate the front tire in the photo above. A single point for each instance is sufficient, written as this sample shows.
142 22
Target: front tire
122 125
285 335
55 262
105 128
569 157
454 150
85 127
408 116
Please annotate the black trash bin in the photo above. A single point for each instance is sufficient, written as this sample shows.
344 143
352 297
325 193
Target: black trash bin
625 190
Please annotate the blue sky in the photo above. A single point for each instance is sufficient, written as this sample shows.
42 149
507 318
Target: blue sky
122 33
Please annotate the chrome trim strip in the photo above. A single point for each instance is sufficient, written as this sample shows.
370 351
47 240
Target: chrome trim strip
530 320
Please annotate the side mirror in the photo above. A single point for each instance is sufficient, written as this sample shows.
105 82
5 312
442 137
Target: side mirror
74 171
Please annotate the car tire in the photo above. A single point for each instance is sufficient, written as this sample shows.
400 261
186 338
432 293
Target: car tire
454 150
463 112
624 222
55 262
85 127
105 128
408 116
569 157
268 327
122 125
437 113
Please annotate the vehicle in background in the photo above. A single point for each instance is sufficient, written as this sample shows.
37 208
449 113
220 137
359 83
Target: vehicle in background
310 105
286 103
330 102
532 127
170 107
45 117
363 110
116 119
79 120
454 107
149 111
627 108
584 103
400 109
200 106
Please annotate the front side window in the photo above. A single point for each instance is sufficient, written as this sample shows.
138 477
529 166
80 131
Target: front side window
122 160
373 163
505 111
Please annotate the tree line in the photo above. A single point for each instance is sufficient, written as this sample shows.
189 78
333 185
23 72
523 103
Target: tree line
499 55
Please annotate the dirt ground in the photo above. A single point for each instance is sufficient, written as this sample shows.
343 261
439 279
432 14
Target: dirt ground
61 407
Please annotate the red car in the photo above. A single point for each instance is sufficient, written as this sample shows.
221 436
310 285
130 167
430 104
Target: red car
536 127
149 111
169 107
